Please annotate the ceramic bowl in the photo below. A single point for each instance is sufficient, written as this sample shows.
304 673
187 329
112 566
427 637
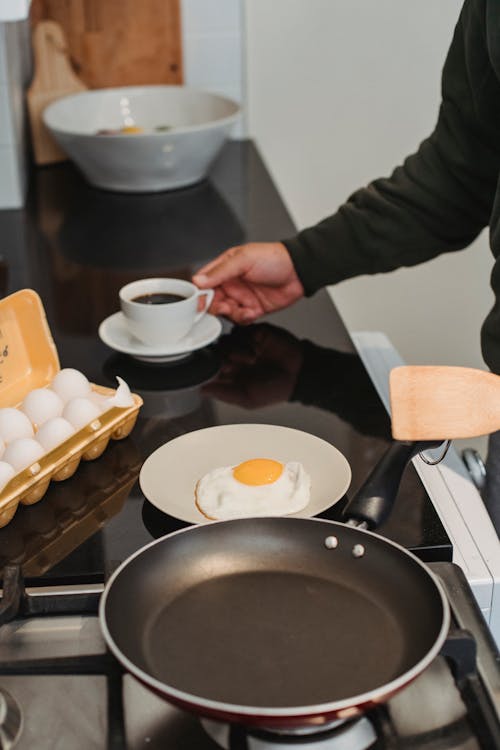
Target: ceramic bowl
181 132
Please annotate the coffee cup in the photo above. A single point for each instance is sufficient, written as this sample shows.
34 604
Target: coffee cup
163 311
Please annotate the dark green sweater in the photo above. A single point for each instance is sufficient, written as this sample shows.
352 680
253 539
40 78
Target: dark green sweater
442 196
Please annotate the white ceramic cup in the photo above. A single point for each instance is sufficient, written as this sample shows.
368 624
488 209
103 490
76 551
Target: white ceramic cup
166 323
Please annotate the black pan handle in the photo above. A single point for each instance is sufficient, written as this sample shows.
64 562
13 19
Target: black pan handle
374 500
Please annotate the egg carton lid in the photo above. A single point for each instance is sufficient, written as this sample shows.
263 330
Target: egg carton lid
28 355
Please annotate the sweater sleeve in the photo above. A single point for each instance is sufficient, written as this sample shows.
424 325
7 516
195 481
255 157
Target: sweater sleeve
439 199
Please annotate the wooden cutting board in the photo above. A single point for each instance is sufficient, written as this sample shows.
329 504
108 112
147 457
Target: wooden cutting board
54 78
119 42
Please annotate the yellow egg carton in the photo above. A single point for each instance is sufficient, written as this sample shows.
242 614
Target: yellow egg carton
29 360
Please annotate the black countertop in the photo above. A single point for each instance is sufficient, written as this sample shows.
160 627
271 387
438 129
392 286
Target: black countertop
76 246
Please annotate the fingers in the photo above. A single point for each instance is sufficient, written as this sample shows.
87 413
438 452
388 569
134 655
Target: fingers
219 305
244 296
234 300
243 317
204 270
238 314
231 264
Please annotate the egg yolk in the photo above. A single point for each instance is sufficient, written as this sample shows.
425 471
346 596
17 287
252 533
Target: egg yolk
131 130
258 471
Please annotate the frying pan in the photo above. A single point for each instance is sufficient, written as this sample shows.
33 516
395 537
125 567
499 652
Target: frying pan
279 622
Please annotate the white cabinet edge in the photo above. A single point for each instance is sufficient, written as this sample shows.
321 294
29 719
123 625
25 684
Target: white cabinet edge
456 499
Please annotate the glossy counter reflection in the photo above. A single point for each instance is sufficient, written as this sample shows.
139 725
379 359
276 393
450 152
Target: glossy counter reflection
93 242
40 536
172 394
264 365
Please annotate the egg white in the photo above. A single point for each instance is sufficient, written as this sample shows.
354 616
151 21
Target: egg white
219 496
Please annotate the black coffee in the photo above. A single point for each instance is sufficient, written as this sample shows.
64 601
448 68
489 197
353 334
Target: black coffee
158 298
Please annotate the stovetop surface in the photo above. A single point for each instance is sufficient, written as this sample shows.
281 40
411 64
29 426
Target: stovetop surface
77 246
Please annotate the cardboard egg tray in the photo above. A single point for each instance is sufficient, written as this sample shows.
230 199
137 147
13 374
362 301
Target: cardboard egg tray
28 360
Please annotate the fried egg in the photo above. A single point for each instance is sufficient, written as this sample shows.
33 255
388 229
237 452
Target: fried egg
258 487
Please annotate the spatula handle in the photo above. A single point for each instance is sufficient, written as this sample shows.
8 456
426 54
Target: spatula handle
375 499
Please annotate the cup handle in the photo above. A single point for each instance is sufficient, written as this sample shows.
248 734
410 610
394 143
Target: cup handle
209 295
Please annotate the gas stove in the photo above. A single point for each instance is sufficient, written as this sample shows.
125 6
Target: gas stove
60 688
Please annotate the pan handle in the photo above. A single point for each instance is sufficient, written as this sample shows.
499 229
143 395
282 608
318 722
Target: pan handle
374 500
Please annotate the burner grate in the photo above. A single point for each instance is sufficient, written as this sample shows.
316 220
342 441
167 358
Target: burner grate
16 602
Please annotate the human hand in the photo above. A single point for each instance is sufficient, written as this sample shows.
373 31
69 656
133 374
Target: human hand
260 366
251 280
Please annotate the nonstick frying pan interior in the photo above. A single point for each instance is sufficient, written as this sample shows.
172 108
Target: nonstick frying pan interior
261 613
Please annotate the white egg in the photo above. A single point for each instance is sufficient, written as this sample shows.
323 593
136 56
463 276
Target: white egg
6 473
22 453
70 383
99 400
14 425
54 432
80 411
258 487
42 404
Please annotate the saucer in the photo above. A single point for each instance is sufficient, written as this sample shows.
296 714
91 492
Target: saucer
114 332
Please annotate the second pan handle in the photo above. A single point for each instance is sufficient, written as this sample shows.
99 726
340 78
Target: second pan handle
375 499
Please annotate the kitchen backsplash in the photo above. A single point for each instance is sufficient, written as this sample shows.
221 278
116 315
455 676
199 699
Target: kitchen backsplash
213 42
15 66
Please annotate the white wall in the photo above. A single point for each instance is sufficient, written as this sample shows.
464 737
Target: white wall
213 48
339 91
14 75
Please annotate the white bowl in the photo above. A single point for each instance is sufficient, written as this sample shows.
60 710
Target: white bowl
199 123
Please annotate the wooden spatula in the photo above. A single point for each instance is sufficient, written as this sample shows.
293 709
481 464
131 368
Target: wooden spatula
434 403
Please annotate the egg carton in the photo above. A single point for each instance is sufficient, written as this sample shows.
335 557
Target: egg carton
28 360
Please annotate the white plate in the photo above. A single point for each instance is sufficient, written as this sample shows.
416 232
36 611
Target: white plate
169 476
114 332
